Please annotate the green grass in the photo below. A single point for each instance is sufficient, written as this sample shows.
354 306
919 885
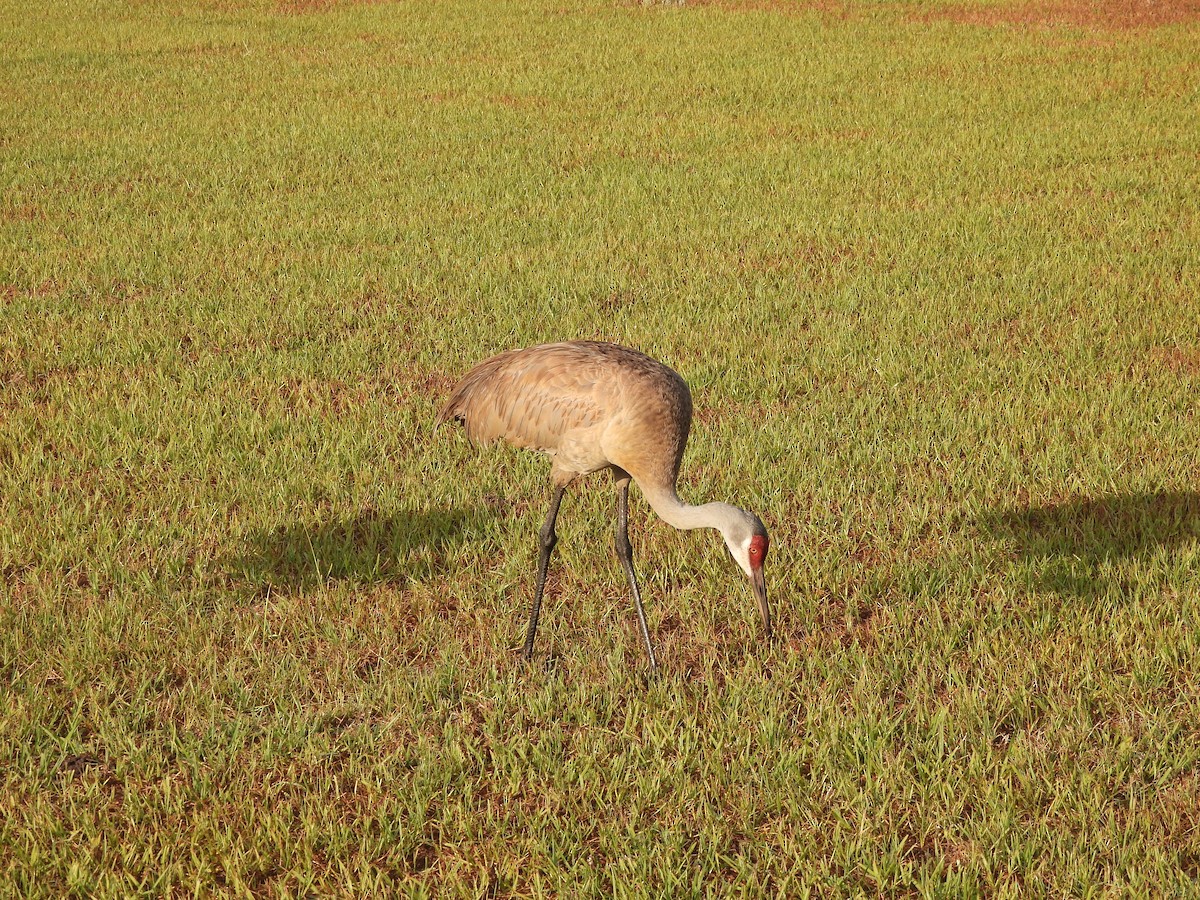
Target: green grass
933 284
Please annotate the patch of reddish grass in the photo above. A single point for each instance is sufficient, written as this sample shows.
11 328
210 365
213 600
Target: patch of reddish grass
839 7
772 5
1102 15
1182 360
301 7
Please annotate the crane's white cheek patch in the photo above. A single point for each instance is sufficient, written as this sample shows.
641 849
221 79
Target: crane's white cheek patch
741 555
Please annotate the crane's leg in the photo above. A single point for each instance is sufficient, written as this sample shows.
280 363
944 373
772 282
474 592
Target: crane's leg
625 552
546 541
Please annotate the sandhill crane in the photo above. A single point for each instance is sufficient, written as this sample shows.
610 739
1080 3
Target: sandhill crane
593 406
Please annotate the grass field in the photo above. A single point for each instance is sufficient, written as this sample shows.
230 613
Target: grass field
932 272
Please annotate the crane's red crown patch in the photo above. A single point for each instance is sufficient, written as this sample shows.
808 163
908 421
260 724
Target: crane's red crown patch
758 549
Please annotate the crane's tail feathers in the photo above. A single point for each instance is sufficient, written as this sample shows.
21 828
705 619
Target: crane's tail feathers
473 401
463 406
452 412
446 414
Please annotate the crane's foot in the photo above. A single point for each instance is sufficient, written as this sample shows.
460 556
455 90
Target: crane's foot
650 677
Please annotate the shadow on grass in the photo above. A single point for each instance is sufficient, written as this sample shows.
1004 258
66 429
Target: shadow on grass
372 547
1071 541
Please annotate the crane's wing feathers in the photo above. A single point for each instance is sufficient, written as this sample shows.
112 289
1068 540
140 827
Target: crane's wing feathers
530 398
587 403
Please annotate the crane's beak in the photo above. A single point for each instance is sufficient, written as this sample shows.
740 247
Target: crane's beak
759 582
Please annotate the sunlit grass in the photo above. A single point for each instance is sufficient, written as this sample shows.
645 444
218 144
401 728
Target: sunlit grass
933 282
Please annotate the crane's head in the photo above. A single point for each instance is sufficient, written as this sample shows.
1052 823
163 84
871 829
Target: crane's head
748 543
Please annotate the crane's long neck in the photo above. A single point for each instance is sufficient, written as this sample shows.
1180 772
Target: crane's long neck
684 516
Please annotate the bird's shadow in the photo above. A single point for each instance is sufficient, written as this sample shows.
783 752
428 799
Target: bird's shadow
371 547
1072 543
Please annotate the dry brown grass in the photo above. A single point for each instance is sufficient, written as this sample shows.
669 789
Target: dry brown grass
831 7
301 7
1180 360
1119 15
